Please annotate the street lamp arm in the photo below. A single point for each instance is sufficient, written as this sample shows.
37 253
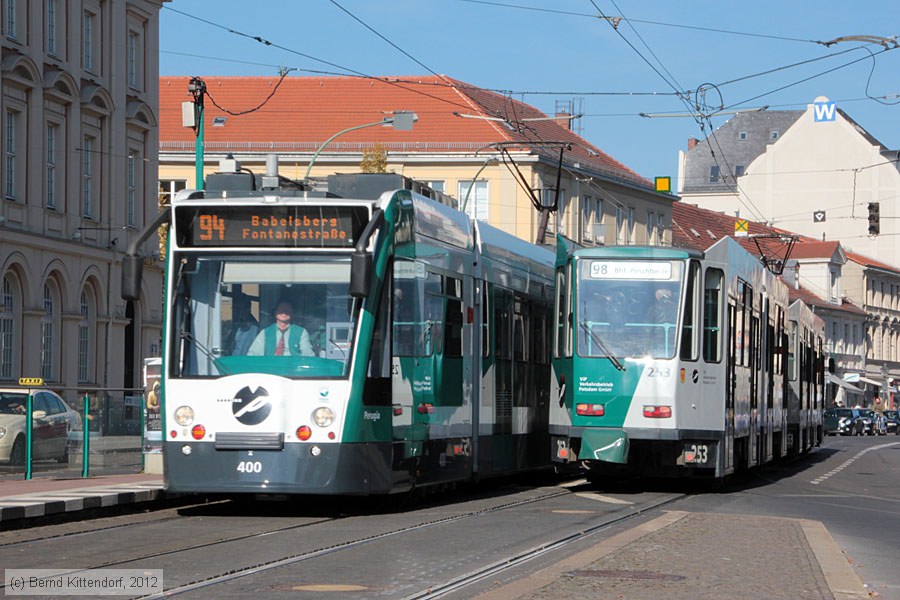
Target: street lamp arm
385 121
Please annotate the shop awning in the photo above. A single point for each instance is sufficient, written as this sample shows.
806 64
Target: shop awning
847 386
871 381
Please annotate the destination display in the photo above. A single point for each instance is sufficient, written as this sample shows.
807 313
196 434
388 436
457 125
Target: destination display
270 226
631 269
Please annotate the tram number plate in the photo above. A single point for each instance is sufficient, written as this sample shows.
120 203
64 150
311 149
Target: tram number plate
699 454
249 466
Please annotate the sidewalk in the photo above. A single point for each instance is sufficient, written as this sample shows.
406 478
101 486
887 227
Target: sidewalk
686 556
21 499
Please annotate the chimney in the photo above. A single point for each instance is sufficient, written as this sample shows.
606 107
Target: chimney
563 120
692 143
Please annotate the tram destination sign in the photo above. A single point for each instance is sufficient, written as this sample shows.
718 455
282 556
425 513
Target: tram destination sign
285 226
631 269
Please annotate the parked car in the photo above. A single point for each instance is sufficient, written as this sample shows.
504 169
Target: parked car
843 421
892 421
874 422
53 420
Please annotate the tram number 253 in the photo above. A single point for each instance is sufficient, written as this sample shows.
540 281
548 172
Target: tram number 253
249 466
696 454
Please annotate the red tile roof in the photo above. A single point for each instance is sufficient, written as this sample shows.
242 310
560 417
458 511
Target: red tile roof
812 249
811 299
305 111
870 262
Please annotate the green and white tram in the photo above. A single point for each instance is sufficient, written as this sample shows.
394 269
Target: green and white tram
414 341
806 378
667 362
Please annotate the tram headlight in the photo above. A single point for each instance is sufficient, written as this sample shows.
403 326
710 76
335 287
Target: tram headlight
323 416
184 415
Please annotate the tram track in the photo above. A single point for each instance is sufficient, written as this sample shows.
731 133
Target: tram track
311 554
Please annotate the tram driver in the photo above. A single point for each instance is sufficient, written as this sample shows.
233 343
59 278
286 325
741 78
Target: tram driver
282 338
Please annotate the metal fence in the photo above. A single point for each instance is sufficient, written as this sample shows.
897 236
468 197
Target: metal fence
107 437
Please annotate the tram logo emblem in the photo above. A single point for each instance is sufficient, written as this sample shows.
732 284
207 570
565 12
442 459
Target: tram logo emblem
251 408
695 376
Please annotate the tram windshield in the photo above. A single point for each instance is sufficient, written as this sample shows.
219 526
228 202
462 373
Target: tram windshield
628 308
292 317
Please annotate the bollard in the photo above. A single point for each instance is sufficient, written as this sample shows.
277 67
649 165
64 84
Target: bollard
86 431
29 426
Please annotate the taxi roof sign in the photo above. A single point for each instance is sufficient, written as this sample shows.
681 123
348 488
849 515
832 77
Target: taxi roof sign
31 381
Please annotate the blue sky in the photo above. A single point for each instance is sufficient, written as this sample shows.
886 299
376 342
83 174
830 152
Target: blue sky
559 52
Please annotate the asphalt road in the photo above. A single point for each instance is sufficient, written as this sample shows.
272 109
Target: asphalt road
850 484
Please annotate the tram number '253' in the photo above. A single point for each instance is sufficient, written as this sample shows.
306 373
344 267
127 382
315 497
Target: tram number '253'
697 454
249 466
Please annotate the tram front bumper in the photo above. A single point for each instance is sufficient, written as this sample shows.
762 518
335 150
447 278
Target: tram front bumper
608 445
327 469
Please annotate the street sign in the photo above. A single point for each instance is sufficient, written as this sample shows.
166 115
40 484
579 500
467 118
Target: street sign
741 228
824 111
819 216
663 184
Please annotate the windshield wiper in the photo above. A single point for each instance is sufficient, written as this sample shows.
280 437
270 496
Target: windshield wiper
185 335
603 347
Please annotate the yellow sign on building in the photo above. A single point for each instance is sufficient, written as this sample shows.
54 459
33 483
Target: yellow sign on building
741 228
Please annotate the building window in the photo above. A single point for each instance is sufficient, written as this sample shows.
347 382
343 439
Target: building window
835 284
11 140
587 218
660 228
169 187
51 26
131 189
7 329
84 341
620 225
47 335
651 227
629 235
738 170
477 203
714 174
132 59
87 41
742 136
11 20
87 173
52 132
436 184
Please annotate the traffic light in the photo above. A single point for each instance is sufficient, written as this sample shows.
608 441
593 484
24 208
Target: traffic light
874 220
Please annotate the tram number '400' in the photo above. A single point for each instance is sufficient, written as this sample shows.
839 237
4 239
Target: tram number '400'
249 466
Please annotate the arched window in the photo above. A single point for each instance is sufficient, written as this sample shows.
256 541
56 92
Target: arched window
84 337
47 341
7 328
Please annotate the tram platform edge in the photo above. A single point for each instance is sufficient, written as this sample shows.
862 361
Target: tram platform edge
681 555
45 497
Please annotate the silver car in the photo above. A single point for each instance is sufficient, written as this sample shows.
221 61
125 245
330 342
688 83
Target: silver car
52 421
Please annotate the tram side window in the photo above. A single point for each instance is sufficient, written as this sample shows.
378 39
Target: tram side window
792 353
520 341
689 336
559 345
485 320
712 316
502 332
418 311
539 350
453 317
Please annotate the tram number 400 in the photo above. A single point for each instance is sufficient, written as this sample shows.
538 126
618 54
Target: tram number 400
249 466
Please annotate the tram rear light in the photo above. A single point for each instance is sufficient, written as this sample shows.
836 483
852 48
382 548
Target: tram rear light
426 408
657 412
198 432
590 410
331 435
173 434
304 433
398 410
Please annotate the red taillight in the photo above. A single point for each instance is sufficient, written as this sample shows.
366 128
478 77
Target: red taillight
425 409
590 410
330 435
657 412
198 432
398 410
304 433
